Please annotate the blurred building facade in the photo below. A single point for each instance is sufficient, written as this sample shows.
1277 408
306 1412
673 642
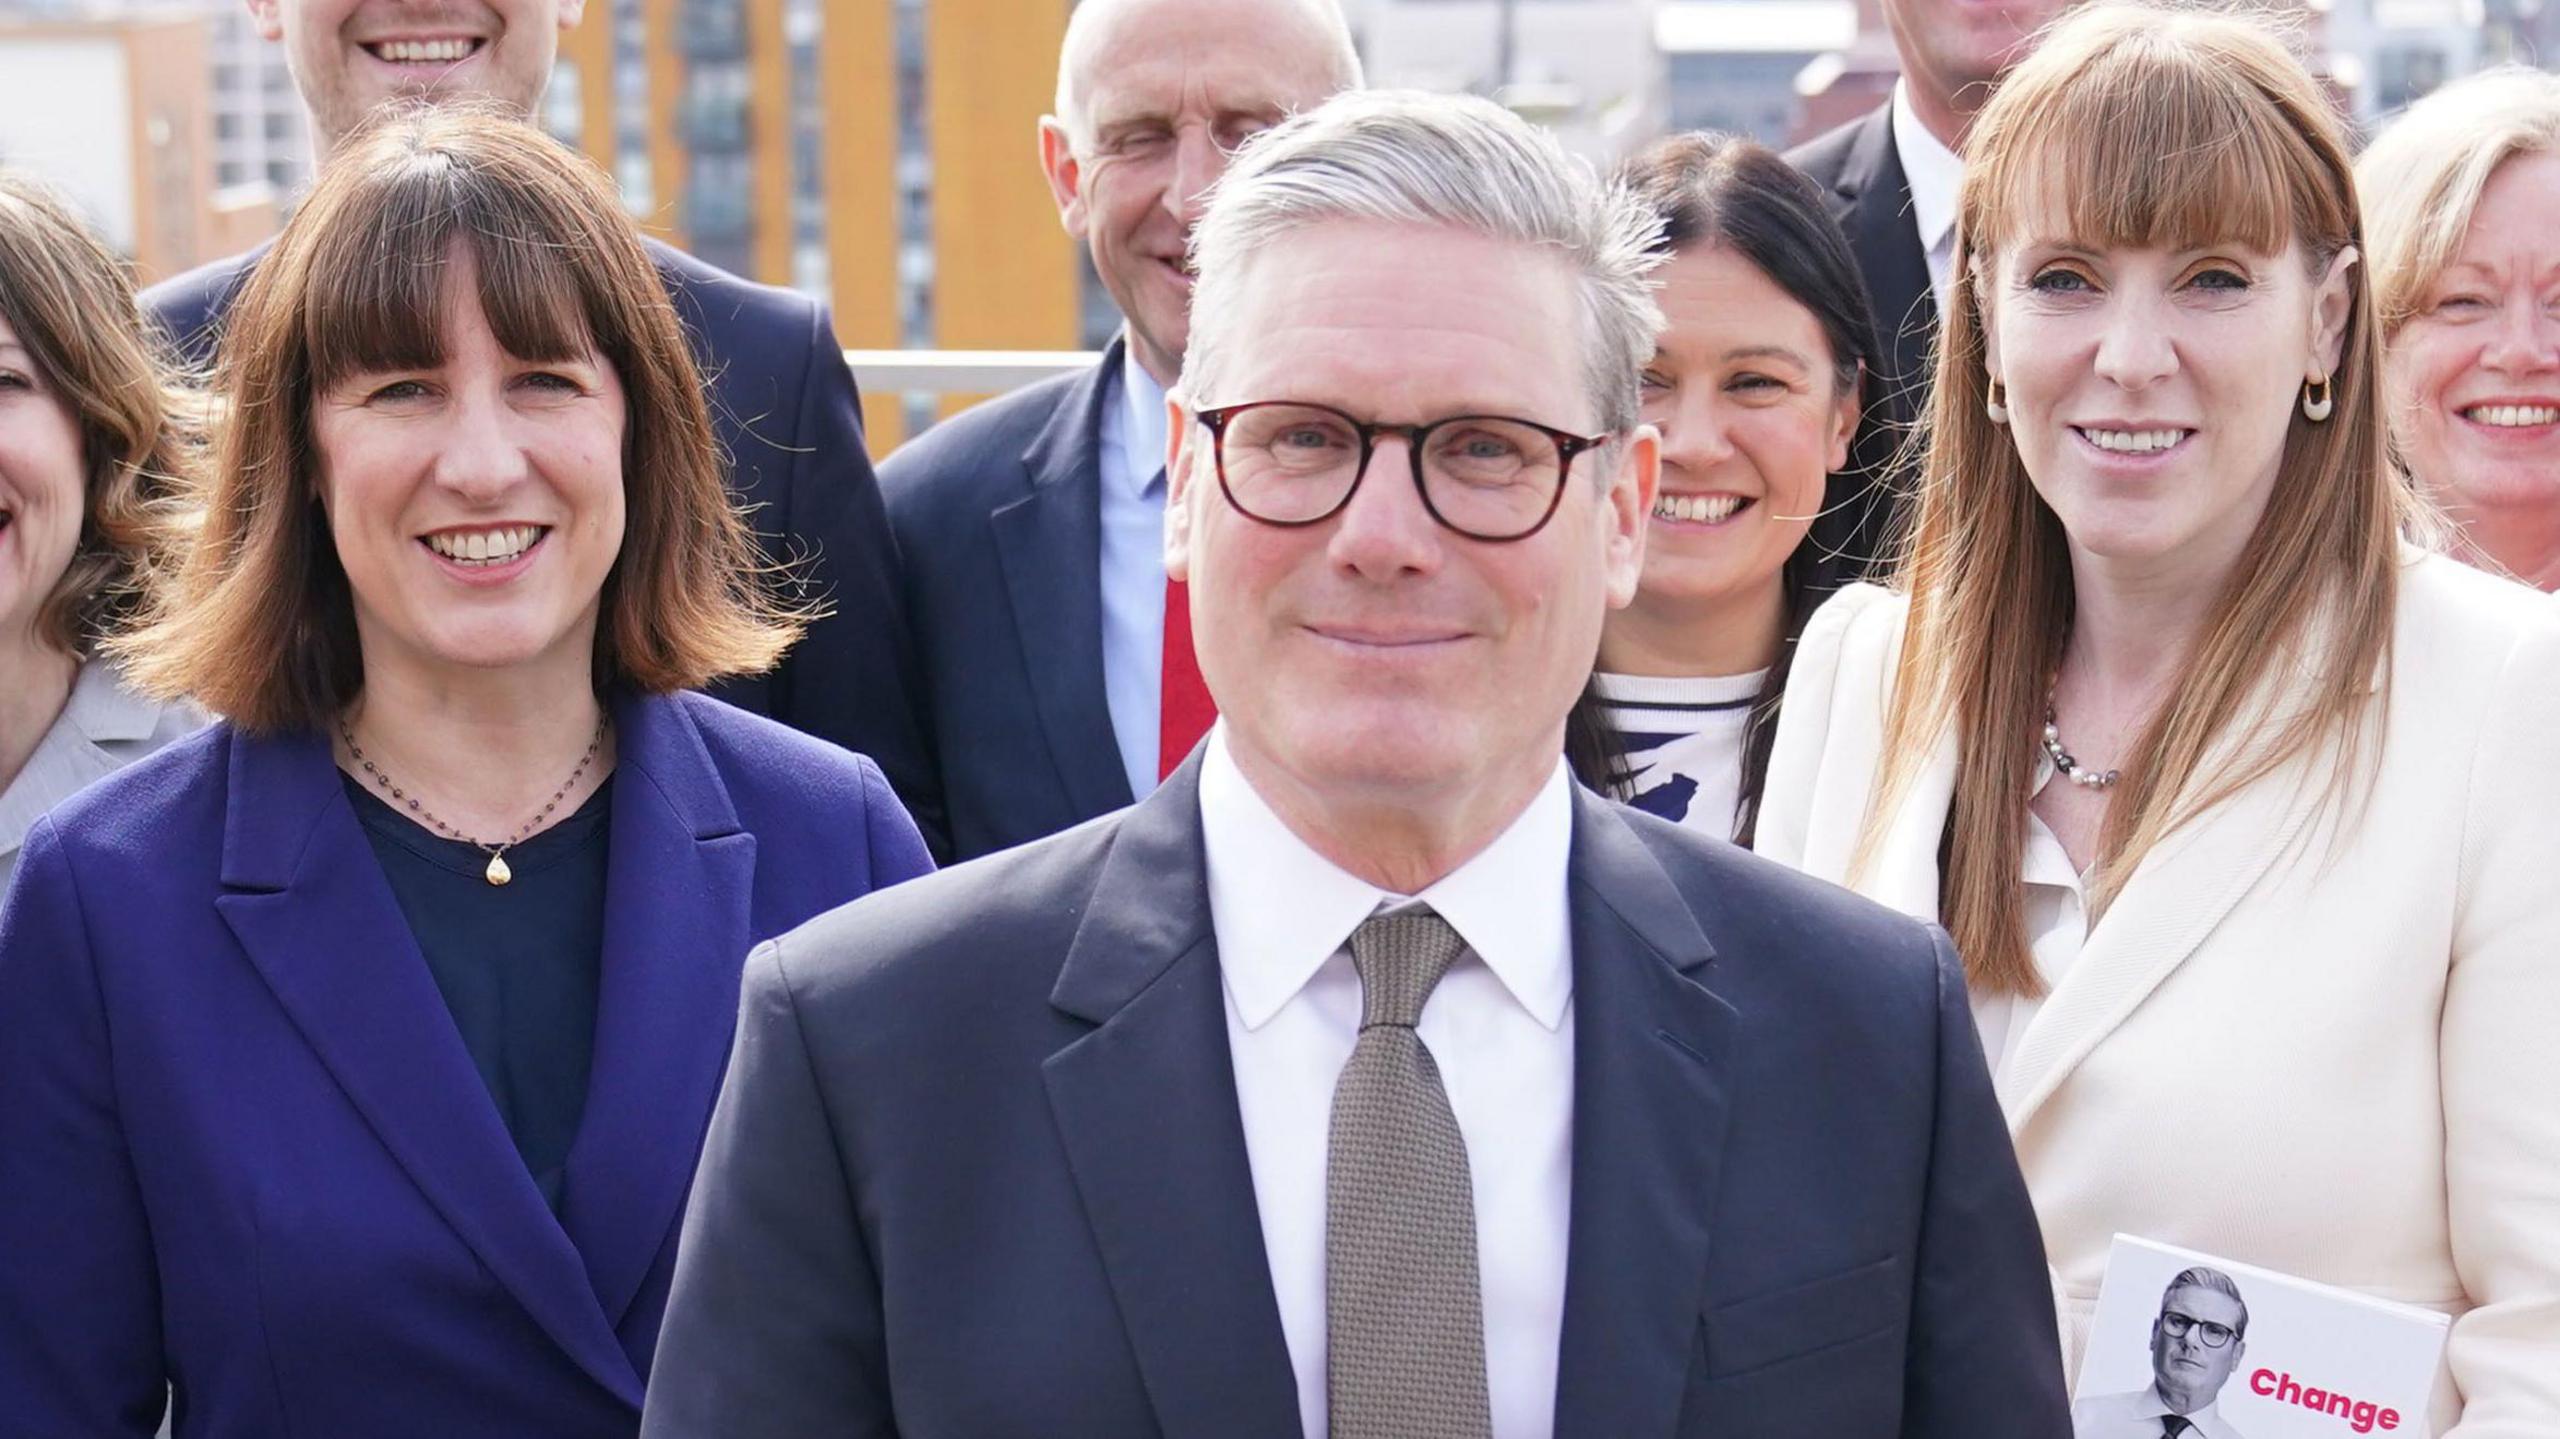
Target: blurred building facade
258 133
879 153
1733 65
1589 70
118 114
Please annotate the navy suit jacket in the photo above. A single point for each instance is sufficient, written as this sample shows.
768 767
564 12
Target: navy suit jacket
998 515
1860 172
978 1170
243 1151
789 423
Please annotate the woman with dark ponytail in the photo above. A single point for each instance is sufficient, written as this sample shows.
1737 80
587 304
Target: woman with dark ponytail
1757 385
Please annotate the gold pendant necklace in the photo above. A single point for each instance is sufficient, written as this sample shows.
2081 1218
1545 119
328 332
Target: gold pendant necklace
497 873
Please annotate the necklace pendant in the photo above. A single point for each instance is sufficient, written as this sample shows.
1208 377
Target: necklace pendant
498 872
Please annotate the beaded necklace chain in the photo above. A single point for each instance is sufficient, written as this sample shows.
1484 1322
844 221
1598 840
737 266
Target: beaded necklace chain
497 872
2063 763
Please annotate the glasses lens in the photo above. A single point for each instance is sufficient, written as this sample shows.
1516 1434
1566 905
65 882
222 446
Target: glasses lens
1491 477
1289 463
2213 1335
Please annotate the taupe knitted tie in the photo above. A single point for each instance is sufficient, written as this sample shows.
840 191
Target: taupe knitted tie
1404 1318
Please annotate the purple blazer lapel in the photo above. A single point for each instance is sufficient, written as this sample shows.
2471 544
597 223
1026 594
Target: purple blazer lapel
310 906
679 886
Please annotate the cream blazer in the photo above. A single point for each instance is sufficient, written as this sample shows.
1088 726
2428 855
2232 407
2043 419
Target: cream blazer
2318 1038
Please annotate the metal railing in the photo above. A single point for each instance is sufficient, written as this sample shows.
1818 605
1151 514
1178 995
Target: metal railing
960 372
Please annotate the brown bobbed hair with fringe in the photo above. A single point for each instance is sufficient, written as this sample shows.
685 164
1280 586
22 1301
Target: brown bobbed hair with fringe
2139 127
258 624
71 303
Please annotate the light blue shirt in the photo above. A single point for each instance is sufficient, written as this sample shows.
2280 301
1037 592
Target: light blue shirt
1133 490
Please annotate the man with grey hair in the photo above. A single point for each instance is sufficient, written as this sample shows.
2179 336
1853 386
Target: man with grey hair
1368 1079
1032 527
2196 1343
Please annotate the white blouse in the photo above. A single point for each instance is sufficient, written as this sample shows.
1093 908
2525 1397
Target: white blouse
2057 922
102 728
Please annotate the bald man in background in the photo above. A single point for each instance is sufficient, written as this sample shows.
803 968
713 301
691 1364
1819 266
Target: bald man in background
1031 527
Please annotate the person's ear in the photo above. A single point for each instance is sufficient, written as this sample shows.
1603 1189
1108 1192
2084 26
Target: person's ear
268 17
1978 270
2330 309
1180 448
1844 420
1629 509
1063 170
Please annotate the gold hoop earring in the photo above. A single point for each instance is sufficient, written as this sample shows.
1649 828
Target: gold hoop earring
1995 406
2318 399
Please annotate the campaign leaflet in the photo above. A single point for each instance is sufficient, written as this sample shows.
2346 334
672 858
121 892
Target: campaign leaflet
2192 1346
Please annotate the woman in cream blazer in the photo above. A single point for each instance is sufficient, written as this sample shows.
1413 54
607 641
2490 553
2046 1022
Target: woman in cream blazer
2315 1046
2297 1008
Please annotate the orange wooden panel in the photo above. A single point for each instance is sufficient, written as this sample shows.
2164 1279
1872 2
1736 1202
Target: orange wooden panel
1004 273
664 49
769 138
589 47
858 79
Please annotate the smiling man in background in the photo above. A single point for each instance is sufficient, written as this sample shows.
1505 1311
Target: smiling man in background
782 401
1032 527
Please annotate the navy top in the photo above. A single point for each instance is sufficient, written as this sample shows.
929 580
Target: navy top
518 964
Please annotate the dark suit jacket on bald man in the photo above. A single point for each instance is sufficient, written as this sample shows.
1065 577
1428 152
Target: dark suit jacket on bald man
979 1169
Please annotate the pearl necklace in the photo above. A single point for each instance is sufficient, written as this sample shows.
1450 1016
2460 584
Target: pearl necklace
2063 763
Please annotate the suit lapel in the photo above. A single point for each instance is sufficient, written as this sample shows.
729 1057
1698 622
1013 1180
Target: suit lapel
2176 897
1651 1066
1050 545
1146 1107
1872 202
1903 874
310 906
679 882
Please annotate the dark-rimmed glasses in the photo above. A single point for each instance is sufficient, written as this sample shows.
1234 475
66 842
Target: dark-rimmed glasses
2208 1333
1488 477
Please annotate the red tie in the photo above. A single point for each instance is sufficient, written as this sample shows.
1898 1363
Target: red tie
1185 709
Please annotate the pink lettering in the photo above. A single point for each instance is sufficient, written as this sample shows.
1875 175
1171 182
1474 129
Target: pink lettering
2361 1416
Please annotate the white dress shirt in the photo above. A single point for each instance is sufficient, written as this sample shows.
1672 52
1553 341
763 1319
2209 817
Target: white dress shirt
2138 1415
1934 174
1499 1026
1133 490
102 728
2057 922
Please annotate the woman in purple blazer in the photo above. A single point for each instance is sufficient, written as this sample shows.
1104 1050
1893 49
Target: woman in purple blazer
355 1053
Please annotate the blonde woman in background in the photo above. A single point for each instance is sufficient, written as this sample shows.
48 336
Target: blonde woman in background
2241 814
2464 197
91 458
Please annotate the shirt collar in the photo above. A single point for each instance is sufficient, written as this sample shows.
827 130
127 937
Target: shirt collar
1141 428
1280 910
1933 172
2207 1421
104 711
